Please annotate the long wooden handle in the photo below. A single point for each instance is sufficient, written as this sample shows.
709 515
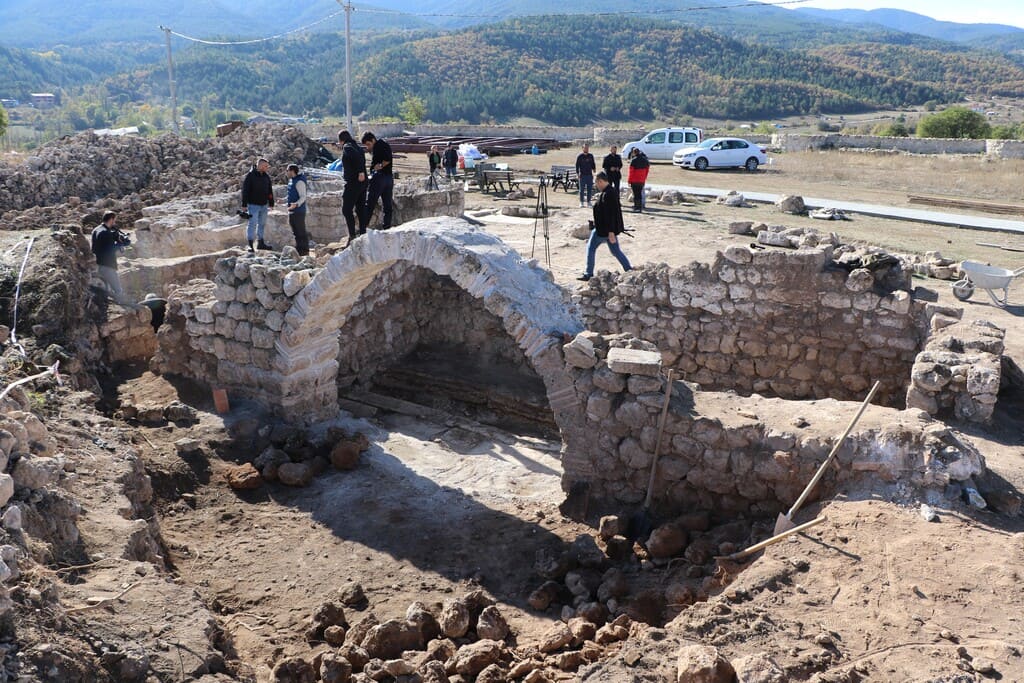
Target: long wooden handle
661 432
831 456
773 540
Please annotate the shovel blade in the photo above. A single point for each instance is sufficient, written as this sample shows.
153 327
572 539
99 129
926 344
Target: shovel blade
783 523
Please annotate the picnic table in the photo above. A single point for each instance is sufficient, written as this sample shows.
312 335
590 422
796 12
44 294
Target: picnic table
566 176
500 181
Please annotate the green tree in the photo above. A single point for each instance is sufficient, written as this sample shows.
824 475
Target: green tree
413 109
955 122
891 130
3 121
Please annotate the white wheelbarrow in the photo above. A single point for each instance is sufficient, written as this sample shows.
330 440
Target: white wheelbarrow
989 278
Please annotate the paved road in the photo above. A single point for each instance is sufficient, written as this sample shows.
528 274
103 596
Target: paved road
956 220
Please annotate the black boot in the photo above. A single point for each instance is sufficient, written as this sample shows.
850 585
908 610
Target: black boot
264 246
250 246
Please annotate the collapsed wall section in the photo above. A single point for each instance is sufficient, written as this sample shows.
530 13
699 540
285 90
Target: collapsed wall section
790 324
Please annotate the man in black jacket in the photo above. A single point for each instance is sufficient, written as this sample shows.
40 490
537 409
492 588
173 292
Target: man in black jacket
450 161
257 197
353 164
382 179
606 226
107 240
612 165
585 167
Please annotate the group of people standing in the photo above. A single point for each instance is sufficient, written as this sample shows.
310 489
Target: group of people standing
363 187
448 160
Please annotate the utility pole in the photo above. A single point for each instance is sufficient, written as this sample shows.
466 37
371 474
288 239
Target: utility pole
347 5
170 79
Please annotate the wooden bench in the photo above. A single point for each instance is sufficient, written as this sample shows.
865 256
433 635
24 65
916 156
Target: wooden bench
499 181
566 176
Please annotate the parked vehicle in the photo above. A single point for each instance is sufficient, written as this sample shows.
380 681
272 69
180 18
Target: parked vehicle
662 143
721 153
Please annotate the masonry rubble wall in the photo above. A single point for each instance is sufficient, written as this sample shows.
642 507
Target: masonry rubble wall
736 455
127 334
959 372
802 143
774 322
209 224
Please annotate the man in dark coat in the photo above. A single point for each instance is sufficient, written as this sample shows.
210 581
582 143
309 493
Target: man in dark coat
257 199
450 161
586 164
353 164
382 179
612 165
606 226
107 240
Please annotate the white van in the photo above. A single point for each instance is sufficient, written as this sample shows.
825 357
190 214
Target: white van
664 142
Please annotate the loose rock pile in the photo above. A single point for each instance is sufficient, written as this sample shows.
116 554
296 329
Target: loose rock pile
465 639
142 171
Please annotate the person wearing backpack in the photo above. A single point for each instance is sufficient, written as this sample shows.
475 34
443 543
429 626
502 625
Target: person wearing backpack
639 167
297 193
606 226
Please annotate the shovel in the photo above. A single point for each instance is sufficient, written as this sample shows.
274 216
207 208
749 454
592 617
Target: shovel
785 521
640 524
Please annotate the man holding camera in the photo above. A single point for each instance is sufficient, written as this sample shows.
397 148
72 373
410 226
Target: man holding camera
107 240
257 196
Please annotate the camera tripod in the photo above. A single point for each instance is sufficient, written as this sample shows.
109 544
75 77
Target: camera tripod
541 215
432 184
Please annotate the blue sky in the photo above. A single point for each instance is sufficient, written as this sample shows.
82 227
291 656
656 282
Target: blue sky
973 12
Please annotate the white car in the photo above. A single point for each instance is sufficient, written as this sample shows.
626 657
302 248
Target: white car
660 144
721 153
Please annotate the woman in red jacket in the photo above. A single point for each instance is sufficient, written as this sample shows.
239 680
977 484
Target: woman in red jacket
639 167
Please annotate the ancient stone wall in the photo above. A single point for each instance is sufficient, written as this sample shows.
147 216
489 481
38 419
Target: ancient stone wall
736 455
127 334
959 372
774 322
803 143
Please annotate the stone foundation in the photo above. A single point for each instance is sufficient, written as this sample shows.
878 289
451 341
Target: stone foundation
209 224
738 455
772 322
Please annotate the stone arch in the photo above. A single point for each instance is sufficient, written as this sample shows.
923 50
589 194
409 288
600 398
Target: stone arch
533 310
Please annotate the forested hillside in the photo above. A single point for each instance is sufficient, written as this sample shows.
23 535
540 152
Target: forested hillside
962 70
572 70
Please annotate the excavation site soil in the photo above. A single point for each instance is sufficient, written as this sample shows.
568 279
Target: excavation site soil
445 526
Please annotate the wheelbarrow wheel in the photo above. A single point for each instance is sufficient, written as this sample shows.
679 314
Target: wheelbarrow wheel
963 289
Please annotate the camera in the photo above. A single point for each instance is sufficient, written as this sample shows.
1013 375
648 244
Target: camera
123 239
242 213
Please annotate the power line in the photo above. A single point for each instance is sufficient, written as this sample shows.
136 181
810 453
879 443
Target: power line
259 40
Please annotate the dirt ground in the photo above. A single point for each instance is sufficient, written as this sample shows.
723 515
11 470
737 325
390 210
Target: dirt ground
436 509
440 506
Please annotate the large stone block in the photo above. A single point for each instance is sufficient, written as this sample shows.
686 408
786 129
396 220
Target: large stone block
634 362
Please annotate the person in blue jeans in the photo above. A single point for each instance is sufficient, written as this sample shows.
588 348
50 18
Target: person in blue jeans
586 164
606 226
257 198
